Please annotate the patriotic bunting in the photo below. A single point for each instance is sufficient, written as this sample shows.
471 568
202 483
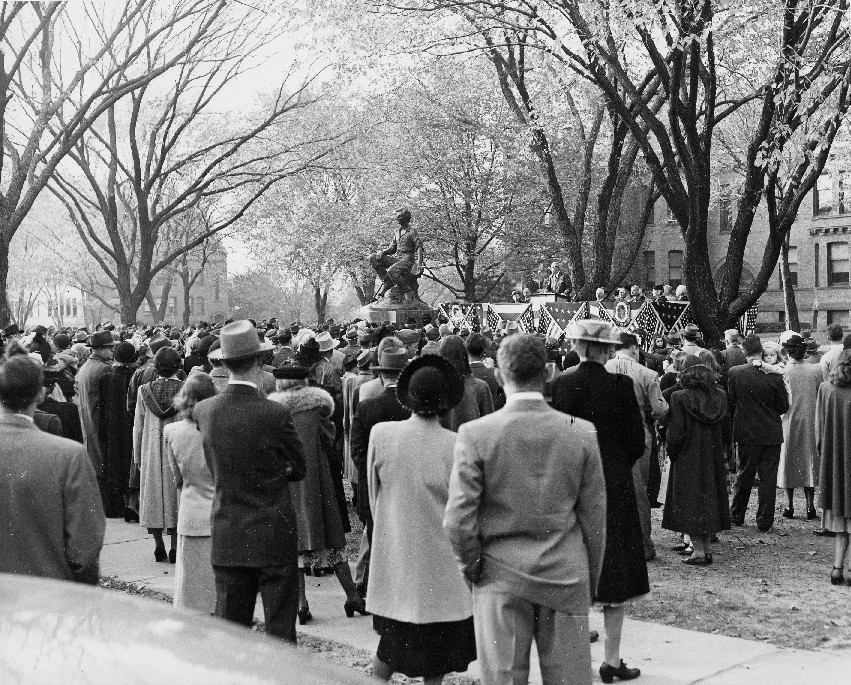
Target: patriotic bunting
747 321
526 320
461 315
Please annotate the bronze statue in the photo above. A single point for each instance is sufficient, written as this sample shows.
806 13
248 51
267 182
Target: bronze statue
401 264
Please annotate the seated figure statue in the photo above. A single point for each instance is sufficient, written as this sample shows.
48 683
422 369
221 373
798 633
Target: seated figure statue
401 263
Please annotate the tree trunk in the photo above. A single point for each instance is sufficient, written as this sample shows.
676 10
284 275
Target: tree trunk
5 310
320 301
697 275
470 280
128 305
186 311
789 302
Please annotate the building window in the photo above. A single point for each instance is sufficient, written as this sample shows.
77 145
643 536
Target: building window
191 304
840 194
74 306
816 260
837 263
649 269
725 209
172 306
218 290
675 267
793 268
671 218
200 303
823 196
839 316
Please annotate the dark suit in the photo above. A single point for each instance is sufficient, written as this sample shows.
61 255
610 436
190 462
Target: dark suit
608 401
368 413
48 423
559 283
253 452
757 401
483 373
69 417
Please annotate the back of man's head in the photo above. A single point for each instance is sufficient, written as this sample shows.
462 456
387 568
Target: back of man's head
391 342
835 332
476 345
20 383
752 345
846 342
522 359
628 341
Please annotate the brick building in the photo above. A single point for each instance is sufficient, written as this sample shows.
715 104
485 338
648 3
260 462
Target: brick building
818 252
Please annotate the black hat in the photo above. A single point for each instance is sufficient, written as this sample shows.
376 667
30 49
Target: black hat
308 353
691 332
125 353
293 372
102 339
11 330
429 385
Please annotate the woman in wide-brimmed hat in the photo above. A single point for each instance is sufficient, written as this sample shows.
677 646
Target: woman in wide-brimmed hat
320 527
424 633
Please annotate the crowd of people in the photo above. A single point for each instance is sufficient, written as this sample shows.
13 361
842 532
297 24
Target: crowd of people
531 465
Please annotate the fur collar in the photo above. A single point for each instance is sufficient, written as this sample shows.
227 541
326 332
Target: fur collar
305 399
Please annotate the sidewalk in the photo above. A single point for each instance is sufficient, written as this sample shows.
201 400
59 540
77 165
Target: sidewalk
665 655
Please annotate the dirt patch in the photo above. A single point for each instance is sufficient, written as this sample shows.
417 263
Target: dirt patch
762 586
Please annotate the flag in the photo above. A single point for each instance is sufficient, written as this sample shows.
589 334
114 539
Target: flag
648 319
526 320
747 321
685 319
669 312
494 320
562 313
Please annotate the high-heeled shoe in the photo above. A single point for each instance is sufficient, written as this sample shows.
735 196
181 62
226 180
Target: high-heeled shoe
304 615
836 577
788 513
130 516
172 556
351 607
609 673
811 514
160 554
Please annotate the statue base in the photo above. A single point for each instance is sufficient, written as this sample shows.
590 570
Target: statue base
396 308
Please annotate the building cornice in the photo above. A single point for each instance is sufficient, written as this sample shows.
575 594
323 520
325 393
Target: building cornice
830 230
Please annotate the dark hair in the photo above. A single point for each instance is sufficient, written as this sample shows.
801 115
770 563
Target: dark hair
695 373
797 352
285 337
840 374
452 348
752 345
834 332
522 358
167 361
846 342
21 380
628 340
241 365
62 341
476 344
198 387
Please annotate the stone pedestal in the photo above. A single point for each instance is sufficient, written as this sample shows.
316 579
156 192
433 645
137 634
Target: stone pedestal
396 309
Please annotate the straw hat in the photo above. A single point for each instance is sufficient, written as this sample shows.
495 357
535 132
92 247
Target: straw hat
592 330
326 342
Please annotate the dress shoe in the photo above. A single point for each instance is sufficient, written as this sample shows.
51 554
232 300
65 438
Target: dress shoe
351 607
130 516
172 556
304 615
697 561
656 505
811 514
788 513
160 554
609 673
593 636
824 533
836 577
680 547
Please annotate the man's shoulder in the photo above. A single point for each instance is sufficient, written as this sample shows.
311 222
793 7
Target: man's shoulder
37 441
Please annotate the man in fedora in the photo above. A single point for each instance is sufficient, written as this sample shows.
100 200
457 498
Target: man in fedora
253 451
691 334
87 383
327 373
369 412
